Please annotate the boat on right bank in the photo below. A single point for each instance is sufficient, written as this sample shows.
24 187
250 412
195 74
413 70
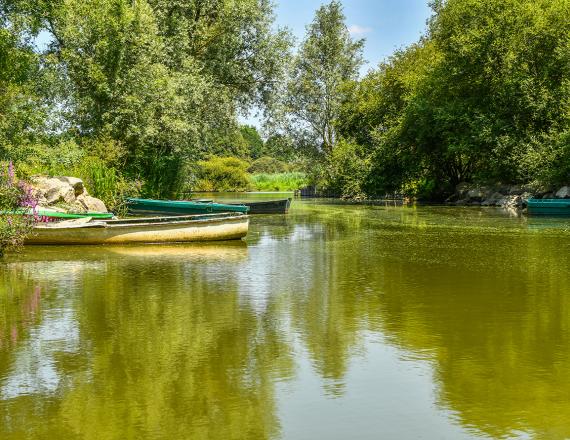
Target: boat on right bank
549 207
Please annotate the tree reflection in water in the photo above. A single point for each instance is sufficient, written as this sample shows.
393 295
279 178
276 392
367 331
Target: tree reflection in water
191 341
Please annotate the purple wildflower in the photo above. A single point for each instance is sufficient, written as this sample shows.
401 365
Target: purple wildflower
28 200
11 173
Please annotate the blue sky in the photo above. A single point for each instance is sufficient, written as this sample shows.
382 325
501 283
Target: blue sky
385 24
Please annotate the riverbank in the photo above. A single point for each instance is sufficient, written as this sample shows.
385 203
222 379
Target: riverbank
506 196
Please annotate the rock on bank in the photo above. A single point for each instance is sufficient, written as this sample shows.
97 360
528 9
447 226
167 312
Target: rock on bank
68 193
507 196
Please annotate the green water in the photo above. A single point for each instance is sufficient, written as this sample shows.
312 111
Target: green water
334 322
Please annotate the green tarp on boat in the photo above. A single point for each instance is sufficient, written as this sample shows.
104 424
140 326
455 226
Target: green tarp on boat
61 215
180 207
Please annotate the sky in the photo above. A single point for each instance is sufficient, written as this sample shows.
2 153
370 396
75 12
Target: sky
386 25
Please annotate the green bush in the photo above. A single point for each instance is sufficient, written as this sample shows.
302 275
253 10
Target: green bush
96 162
222 174
52 160
106 183
267 165
280 182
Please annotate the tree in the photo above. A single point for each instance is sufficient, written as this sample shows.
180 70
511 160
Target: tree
255 144
328 57
281 147
233 42
165 79
22 111
482 97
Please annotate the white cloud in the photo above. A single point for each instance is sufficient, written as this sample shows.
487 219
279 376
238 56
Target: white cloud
358 30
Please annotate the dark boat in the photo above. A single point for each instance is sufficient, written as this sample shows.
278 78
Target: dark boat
269 207
552 207
260 207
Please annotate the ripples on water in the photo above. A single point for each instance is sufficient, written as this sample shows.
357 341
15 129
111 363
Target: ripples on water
334 322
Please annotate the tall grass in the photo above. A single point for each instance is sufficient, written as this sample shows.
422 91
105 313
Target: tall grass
279 182
105 183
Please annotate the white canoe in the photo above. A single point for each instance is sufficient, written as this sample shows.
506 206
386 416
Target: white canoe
191 228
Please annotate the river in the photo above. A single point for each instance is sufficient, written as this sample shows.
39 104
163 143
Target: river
334 322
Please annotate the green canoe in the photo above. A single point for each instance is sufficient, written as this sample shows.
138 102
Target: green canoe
62 215
554 207
180 207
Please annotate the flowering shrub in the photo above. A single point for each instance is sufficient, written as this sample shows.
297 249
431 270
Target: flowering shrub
15 196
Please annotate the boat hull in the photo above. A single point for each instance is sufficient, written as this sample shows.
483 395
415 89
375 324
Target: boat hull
269 207
549 207
180 230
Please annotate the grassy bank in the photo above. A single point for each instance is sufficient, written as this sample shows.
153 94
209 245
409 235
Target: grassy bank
279 182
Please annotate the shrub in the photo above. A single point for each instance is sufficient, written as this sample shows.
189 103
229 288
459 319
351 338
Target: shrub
14 195
223 174
54 160
267 165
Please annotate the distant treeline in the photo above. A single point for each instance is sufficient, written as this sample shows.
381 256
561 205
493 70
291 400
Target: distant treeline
144 92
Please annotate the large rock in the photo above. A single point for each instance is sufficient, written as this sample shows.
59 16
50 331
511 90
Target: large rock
462 189
515 201
91 203
69 191
493 199
53 190
75 183
563 193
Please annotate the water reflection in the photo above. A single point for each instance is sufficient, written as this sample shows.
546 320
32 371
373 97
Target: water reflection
190 342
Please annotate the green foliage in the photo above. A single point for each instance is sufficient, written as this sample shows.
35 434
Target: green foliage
546 160
13 231
161 81
347 170
57 159
149 87
484 96
255 144
267 165
233 42
223 174
105 183
281 147
21 110
280 182
327 58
